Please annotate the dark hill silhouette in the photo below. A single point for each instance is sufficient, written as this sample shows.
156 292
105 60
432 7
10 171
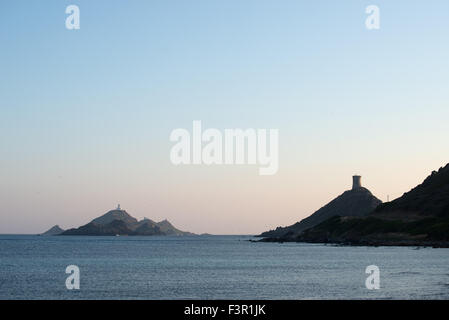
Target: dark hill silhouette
53 231
148 228
116 214
119 222
167 228
358 201
429 199
419 218
116 227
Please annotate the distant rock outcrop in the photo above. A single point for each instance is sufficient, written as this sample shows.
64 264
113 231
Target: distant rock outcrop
167 228
149 229
53 231
358 201
115 227
120 222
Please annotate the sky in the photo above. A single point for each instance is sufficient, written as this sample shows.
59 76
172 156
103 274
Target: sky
86 115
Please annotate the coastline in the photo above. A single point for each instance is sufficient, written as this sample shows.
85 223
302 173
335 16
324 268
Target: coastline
365 243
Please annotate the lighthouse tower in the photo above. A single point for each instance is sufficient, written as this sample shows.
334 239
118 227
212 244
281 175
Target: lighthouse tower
356 182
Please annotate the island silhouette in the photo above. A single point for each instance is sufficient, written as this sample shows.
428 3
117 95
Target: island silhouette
118 222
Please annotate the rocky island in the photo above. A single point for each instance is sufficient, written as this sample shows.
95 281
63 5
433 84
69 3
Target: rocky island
55 230
119 222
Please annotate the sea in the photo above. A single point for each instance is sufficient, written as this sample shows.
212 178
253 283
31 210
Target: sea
214 267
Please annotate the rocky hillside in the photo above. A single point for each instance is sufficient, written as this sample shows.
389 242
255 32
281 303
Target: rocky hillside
419 218
429 199
120 222
356 202
117 214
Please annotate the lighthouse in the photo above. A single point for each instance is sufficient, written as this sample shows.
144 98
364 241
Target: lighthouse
356 182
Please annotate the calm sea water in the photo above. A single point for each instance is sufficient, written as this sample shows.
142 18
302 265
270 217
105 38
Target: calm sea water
214 267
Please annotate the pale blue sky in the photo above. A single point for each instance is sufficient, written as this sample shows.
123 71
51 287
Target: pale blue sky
85 115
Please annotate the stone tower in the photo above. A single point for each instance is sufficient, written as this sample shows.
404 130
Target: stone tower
356 182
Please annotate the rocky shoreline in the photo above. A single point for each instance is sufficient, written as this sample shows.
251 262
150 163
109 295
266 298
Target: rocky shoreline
364 243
